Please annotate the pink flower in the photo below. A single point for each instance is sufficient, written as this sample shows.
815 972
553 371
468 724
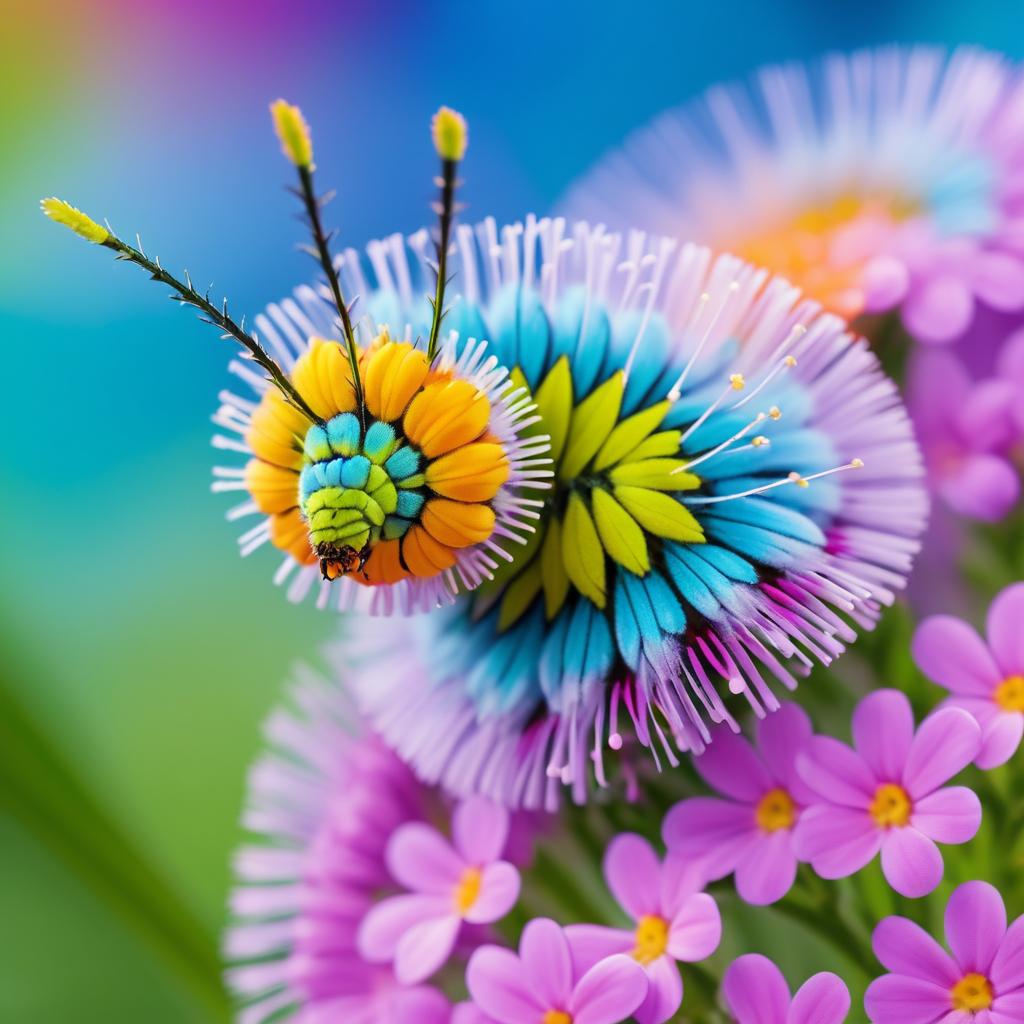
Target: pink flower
981 983
750 833
542 986
756 993
986 680
449 883
671 921
888 794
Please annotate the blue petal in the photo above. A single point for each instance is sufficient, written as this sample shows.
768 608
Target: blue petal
521 334
344 432
403 463
583 332
355 472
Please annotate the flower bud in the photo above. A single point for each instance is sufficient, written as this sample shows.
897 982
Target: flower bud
450 134
292 130
64 213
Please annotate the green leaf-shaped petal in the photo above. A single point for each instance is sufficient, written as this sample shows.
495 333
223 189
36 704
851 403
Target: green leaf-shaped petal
520 593
661 445
629 433
592 421
556 582
621 536
491 590
658 474
554 403
582 554
660 514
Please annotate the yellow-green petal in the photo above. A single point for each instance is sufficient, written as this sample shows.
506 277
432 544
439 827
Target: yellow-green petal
660 445
554 403
621 536
553 574
519 595
582 554
657 474
629 433
660 514
592 422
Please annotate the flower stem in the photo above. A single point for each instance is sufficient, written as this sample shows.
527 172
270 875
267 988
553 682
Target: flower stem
446 214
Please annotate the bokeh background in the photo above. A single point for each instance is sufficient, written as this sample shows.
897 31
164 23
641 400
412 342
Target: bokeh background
139 655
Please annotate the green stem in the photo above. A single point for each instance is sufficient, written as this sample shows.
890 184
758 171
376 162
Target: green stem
312 205
446 213
184 292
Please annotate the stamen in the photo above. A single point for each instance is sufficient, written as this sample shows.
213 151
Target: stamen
791 478
736 383
759 418
786 363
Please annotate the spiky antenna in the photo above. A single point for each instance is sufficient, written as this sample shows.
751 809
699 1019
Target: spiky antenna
183 292
297 144
448 129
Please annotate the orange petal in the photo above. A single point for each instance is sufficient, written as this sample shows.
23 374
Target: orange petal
423 555
471 473
323 377
443 417
277 431
394 374
457 524
384 564
288 532
273 489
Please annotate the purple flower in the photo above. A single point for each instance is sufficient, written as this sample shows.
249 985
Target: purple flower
981 983
750 833
756 993
888 793
965 429
986 680
542 986
671 921
448 883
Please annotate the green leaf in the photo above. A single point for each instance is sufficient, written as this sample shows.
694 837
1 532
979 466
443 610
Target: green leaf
630 433
660 514
554 403
658 474
621 536
582 554
592 422
553 575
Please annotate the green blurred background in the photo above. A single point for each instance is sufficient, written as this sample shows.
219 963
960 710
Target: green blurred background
140 654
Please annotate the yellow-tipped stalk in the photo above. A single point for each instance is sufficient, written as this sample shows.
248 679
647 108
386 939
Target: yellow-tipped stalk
66 214
292 130
450 134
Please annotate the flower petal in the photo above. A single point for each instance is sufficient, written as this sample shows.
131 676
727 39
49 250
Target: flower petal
1000 738
386 923
730 765
911 862
883 729
947 741
983 487
780 737
498 985
633 873
755 990
664 992
591 943
896 999
952 654
835 772
766 872
904 947
1003 628
704 828
938 309
975 925
499 890
547 961
696 929
480 830
949 815
422 860
836 840
1007 971
609 992
425 947
821 999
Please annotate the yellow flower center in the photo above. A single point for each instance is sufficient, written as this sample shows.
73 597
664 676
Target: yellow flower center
775 810
972 992
468 889
891 805
651 938
1009 694
556 1017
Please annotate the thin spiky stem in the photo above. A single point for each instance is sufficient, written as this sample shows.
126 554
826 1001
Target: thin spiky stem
312 204
446 214
184 292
